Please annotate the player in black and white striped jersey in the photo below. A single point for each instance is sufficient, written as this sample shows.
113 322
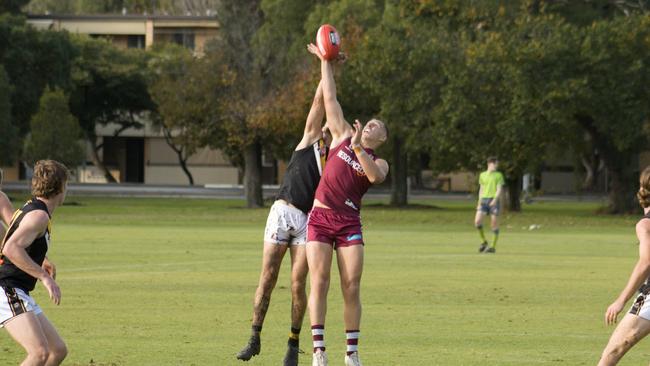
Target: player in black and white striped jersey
23 263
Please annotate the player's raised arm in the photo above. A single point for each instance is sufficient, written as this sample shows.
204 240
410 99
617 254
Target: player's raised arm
337 124
313 125
6 208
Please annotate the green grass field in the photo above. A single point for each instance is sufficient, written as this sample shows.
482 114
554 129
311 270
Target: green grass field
171 281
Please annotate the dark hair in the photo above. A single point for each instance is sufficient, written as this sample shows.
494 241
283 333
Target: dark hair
492 159
49 178
644 188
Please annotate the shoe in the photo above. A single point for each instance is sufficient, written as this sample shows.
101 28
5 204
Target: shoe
291 357
320 359
482 247
251 349
352 360
490 250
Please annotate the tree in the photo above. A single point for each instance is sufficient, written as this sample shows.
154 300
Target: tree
12 6
250 122
55 132
32 59
108 87
9 142
186 92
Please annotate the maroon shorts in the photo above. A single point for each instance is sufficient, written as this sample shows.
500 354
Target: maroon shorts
326 226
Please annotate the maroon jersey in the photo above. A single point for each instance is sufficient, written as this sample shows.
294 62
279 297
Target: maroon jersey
344 182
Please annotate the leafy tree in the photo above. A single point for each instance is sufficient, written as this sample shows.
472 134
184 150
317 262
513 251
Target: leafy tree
108 86
9 136
32 60
55 132
250 119
12 6
186 91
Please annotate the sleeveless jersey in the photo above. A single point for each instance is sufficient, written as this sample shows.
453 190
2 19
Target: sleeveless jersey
302 176
344 182
12 276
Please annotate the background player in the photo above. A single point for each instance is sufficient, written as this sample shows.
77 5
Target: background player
335 222
286 227
23 252
636 323
491 187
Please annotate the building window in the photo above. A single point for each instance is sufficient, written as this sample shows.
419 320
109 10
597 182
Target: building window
135 41
184 38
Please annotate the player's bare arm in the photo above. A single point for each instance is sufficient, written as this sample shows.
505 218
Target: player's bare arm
639 274
33 225
337 124
313 125
376 170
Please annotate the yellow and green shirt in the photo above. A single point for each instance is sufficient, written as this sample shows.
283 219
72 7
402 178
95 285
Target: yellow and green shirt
490 181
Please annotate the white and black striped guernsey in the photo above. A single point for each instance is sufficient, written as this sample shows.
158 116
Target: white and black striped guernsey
10 275
303 174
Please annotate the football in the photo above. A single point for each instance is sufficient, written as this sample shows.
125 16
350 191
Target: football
328 41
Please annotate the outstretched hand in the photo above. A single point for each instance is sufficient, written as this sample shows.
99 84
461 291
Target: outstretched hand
313 49
358 130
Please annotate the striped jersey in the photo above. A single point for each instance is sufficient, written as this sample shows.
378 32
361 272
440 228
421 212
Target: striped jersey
344 182
10 274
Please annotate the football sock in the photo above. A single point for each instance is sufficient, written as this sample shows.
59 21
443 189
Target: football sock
294 337
353 341
481 233
318 337
495 238
256 330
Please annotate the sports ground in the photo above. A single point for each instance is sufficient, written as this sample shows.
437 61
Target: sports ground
171 281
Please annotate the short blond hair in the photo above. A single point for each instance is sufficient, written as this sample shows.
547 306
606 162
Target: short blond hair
644 188
49 178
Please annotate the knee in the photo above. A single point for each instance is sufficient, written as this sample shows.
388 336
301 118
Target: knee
59 352
320 282
298 288
269 277
39 355
351 288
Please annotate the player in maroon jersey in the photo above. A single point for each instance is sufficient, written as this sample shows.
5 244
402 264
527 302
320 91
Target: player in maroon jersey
335 221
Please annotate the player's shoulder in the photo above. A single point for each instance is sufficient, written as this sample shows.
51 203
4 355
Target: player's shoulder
643 226
37 218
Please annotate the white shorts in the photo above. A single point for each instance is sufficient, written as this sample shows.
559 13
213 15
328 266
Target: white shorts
286 225
13 302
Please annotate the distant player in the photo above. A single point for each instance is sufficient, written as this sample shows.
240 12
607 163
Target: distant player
22 263
636 323
491 187
286 228
6 209
335 221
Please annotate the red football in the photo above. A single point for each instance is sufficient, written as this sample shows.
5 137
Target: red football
328 41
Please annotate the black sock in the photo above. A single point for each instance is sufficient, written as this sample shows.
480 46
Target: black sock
256 330
294 337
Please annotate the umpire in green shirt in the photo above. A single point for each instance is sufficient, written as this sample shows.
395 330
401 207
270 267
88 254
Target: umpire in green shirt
491 187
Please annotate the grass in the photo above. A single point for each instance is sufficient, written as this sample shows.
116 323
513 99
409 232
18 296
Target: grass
171 281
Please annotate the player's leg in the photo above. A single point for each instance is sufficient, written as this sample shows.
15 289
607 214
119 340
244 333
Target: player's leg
631 329
350 263
271 262
478 224
299 271
26 330
319 259
494 225
56 347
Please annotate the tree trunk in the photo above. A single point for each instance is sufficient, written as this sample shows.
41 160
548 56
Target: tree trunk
621 195
183 163
97 162
398 172
623 177
514 191
253 175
